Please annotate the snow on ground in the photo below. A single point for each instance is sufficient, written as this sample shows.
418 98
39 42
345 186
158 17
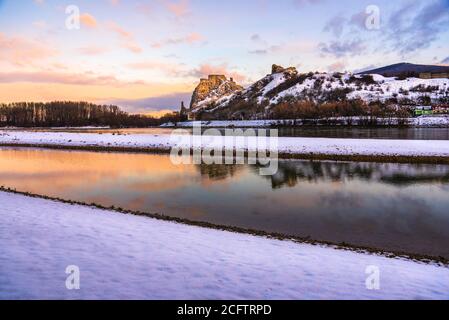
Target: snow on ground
276 80
375 147
293 145
388 87
424 121
130 257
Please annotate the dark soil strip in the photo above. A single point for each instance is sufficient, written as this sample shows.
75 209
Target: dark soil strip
271 235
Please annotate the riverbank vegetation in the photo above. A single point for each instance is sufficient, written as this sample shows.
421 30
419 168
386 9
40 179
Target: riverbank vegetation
369 113
74 114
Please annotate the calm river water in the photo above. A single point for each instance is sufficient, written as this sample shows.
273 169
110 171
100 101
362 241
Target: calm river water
316 131
400 207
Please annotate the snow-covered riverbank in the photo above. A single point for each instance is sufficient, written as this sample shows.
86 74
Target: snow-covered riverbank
284 145
130 257
422 121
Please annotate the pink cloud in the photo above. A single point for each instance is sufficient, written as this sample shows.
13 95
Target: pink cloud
88 20
119 30
206 69
180 8
183 71
127 38
92 50
22 51
86 78
169 68
194 37
191 38
132 46
338 66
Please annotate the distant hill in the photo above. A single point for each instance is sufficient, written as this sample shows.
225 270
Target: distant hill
286 88
407 70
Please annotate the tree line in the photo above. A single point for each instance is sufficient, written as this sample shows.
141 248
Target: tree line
74 114
351 108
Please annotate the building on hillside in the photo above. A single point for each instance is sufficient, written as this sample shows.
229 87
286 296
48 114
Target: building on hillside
441 109
428 75
184 113
423 111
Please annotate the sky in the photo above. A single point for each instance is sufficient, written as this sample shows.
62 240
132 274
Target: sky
148 56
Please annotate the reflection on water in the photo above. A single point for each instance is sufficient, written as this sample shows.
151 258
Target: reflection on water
294 172
313 131
368 133
291 173
219 172
400 207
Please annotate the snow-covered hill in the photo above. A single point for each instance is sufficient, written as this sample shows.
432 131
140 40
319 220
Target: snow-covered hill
287 85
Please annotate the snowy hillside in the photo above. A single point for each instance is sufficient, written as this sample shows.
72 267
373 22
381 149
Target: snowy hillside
287 85
368 89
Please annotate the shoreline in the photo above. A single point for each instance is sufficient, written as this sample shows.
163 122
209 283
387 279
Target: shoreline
343 149
434 121
439 261
155 259
214 125
282 155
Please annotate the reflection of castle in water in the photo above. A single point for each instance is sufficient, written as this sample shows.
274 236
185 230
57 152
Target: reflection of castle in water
219 171
292 172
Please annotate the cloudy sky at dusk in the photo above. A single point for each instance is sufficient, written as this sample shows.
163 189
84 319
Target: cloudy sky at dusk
147 56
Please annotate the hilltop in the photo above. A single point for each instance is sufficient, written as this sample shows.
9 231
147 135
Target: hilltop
286 90
407 70
211 89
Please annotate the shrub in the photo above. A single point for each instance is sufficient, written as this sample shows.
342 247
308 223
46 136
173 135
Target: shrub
365 79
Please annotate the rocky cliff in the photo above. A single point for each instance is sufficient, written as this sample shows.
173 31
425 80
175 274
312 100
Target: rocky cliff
212 89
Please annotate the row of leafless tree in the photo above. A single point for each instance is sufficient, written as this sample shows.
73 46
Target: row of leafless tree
68 113
311 110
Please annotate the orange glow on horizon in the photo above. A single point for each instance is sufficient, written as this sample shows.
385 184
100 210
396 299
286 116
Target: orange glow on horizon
14 92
